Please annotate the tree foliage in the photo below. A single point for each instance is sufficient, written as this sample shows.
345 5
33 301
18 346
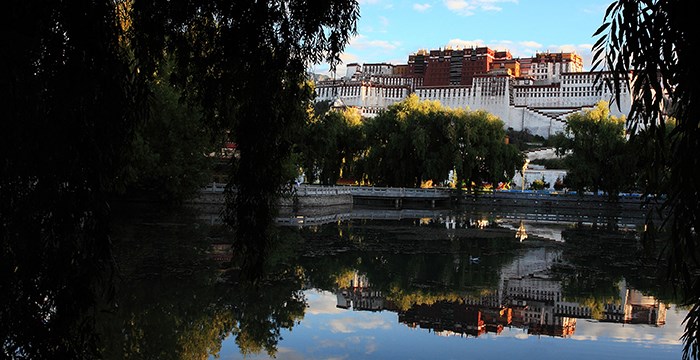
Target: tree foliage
70 104
245 63
483 155
415 141
600 157
176 303
653 40
331 144
650 160
402 141
169 154
76 84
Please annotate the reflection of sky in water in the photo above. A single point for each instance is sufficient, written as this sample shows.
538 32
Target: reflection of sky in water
327 332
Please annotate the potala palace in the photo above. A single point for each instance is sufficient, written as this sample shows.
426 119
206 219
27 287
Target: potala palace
534 94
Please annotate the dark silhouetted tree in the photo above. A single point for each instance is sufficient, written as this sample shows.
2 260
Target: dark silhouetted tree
71 99
75 85
245 64
654 40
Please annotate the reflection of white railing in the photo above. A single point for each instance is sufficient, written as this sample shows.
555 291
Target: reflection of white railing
622 219
399 192
313 220
214 188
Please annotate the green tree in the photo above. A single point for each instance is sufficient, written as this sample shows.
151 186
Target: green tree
394 157
415 141
599 154
539 184
483 155
409 143
168 157
332 142
654 41
433 138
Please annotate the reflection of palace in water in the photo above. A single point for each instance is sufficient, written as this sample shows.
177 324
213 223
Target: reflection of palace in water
527 298
360 296
451 318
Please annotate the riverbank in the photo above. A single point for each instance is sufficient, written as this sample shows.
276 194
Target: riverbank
310 196
308 204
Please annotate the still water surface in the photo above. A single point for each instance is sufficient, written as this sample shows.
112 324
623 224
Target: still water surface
453 285
331 333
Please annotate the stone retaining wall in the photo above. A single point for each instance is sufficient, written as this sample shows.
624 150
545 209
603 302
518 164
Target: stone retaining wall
320 200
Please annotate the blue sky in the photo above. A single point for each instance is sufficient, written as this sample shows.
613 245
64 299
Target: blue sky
390 30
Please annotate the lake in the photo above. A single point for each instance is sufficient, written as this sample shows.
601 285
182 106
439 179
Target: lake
382 284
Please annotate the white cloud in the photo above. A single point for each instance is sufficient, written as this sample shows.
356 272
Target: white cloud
469 7
567 48
322 302
340 69
370 348
421 7
379 26
383 21
462 7
288 353
531 44
362 42
647 335
383 44
348 58
352 324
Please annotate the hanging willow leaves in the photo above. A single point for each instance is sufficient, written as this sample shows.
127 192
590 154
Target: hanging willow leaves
656 43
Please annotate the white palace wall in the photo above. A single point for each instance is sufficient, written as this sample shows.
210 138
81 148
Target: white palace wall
519 103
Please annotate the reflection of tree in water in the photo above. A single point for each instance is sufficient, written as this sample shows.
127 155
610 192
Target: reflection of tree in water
597 261
174 302
54 278
169 303
375 267
161 298
264 309
408 264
